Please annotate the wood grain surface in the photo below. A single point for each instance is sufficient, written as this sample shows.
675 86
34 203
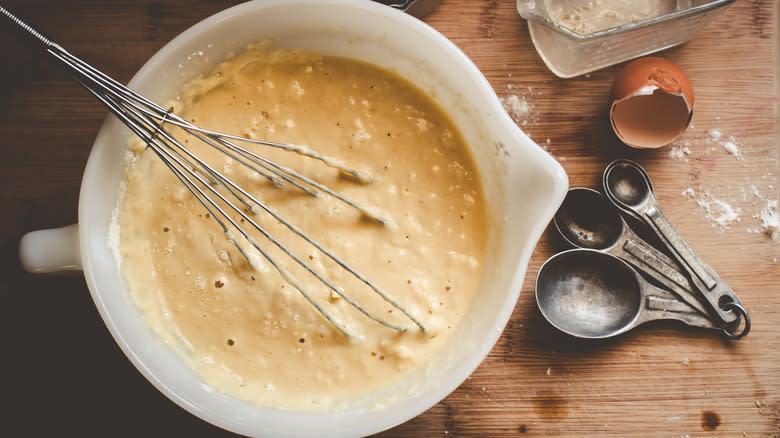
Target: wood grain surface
63 375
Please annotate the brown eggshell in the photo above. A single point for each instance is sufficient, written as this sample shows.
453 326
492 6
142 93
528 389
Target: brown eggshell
651 103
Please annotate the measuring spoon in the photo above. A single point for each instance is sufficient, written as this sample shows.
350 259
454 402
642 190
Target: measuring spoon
627 185
592 294
587 220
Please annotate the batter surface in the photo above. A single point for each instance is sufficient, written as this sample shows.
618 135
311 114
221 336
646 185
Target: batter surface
244 329
588 16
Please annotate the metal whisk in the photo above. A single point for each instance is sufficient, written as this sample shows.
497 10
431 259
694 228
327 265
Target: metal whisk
147 119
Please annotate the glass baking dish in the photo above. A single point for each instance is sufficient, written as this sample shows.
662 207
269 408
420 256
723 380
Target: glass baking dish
568 53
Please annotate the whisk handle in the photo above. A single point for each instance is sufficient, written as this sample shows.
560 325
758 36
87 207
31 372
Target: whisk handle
47 42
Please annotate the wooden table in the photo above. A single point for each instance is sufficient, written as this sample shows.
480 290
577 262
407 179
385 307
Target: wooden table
63 374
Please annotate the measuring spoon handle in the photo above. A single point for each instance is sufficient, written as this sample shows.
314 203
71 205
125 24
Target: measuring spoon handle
665 229
661 304
627 185
712 288
658 266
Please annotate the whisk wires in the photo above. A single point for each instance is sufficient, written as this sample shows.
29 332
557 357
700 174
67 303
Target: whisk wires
148 121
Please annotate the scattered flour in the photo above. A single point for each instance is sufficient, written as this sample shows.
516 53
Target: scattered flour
679 153
770 221
518 104
726 203
517 107
732 149
729 144
719 212
714 134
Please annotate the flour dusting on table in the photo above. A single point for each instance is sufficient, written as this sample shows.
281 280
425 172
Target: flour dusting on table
728 202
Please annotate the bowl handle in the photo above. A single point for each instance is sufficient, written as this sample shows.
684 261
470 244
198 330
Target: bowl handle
48 251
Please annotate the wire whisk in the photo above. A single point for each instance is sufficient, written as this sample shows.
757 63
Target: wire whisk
148 121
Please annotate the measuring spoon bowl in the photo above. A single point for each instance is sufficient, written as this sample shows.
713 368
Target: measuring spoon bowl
586 219
627 185
591 294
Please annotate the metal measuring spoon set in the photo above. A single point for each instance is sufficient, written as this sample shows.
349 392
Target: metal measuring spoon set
594 290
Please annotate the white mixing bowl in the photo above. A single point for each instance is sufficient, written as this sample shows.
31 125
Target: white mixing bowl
524 186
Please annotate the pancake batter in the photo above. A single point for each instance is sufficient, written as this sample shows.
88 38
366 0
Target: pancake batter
244 329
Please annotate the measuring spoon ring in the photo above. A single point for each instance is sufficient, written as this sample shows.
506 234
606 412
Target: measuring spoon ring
586 219
628 187
595 295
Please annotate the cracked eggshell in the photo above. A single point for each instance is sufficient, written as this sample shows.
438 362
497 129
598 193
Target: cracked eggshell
651 103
